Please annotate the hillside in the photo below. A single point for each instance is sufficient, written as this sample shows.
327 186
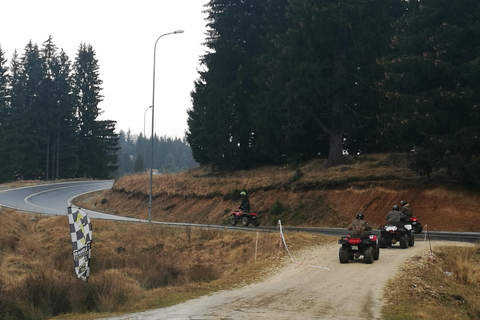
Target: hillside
308 195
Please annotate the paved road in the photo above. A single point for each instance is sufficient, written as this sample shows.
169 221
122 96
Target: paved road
54 198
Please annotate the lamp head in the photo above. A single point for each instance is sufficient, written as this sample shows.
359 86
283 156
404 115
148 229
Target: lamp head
178 31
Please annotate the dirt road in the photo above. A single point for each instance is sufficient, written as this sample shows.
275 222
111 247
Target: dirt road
313 285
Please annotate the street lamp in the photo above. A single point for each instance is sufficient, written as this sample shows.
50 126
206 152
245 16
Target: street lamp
153 121
144 115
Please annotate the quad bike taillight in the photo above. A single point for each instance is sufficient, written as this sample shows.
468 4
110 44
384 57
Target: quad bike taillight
354 240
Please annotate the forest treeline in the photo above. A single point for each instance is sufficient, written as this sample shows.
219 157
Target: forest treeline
48 116
170 154
290 80
282 81
49 128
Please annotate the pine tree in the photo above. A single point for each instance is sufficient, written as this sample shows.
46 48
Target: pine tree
11 168
97 141
58 113
432 86
7 146
139 165
290 79
169 165
330 52
224 92
26 111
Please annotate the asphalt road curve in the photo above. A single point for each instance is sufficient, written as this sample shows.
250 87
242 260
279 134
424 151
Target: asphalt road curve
54 198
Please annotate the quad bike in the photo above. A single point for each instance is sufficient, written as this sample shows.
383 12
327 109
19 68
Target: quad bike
353 247
245 218
396 232
416 225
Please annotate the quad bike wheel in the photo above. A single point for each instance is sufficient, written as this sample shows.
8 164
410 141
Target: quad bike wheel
382 242
368 255
404 241
376 253
411 240
418 228
343 256
256 223
245 221
233 220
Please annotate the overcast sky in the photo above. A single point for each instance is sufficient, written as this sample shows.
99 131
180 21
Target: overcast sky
123 35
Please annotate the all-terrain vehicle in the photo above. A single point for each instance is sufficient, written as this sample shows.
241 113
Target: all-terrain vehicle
244 218
416 225
392 233
353 247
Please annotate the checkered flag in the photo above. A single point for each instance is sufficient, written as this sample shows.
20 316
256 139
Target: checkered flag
81 235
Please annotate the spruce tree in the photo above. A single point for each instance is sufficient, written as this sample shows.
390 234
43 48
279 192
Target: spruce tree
97 141
432 86
7 144
223 94
58 113
29 130
330 52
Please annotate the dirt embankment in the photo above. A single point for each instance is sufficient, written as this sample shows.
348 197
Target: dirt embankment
312 195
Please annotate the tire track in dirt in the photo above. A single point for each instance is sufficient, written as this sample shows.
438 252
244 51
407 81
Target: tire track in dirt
299 290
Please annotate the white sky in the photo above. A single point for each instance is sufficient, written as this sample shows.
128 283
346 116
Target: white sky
123 35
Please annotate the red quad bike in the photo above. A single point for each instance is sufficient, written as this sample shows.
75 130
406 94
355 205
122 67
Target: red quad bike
416 225
392 233
353 247
246 219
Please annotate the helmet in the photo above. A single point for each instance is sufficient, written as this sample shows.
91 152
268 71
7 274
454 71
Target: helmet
243 193
396 208
359 215
403 202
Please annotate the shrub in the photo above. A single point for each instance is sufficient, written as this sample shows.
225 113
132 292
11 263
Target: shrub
277 209
296 175
201 273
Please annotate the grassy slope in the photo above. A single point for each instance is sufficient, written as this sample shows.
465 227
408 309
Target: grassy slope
135 266
310 195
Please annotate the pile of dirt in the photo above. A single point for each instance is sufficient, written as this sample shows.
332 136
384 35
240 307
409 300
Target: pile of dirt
310 195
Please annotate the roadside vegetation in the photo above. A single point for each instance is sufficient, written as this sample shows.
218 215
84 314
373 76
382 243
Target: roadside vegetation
135 266
443 284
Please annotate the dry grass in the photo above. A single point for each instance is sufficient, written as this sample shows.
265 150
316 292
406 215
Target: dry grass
135 266
203 181
310 195
444 284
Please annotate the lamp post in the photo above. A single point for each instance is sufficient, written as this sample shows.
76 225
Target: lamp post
144 115
153 122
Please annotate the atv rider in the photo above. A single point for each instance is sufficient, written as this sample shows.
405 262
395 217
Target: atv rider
359 226
406 209
395 216
245 205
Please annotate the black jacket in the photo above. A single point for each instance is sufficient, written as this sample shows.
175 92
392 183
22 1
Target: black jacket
245 205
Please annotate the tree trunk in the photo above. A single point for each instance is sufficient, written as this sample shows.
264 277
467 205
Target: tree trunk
335 154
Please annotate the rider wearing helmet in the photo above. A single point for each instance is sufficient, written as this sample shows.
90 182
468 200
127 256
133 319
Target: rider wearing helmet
406 209
395 215
359 226
245 205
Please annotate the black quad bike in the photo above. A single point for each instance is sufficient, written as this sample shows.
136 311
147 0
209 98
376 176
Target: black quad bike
353 247
244 218
392 233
